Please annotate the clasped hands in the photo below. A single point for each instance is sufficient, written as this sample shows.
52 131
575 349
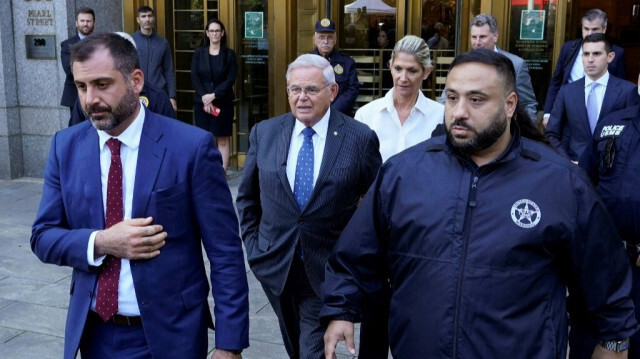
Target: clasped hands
207 100
134 238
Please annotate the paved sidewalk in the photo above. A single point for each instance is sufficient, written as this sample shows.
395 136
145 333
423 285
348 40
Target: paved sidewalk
34 296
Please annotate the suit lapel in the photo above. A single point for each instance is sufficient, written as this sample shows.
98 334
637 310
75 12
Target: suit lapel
89 159
282 153
332 146
150 155
578 97
610 95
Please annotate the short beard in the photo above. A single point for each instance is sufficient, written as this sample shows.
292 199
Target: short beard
116 116
481 140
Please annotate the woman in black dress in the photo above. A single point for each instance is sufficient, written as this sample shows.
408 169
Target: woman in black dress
213 73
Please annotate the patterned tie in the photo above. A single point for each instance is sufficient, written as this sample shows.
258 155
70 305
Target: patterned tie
107 300
303 184
592 106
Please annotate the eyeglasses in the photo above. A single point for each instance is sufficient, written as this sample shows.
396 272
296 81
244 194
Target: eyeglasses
214 31
309 91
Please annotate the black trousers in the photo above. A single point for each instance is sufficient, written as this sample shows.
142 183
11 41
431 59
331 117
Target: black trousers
298 310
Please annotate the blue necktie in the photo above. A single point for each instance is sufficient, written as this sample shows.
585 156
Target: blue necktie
592 106
303 183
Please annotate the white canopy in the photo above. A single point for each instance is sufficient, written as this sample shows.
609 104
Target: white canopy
373 7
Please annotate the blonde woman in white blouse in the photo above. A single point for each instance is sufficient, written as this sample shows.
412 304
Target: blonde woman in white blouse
404 116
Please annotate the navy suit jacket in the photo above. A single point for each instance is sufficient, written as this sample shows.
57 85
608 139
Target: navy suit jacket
567 58
180 183
271 221
69 92
568 128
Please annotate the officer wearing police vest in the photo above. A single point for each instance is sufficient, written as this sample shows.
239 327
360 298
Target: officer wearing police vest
344 67
612 161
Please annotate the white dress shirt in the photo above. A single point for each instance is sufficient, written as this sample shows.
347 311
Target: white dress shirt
297 138
577 71
130 138
381 116
600 90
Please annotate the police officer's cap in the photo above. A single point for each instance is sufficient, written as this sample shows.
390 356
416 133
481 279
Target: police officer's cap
325 25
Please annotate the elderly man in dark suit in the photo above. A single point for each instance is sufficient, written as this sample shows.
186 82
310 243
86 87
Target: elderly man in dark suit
582 103
129 200
304 176
569 66
85 22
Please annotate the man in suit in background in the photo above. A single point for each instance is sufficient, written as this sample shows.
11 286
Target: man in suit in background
85 22
304 176
569 67
582 103
129 199
484 34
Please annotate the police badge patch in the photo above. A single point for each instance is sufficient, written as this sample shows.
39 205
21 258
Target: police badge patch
611 130
525 213
338 69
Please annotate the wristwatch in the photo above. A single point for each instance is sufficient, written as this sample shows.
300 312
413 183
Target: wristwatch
615 345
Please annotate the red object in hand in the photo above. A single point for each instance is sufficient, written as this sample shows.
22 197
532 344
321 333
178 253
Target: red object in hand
214 110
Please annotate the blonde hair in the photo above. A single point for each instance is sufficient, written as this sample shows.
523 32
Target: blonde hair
415 46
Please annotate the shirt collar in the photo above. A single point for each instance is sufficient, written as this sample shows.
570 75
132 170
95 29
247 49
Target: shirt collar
421 103
321 127
81 36
130 137
603 80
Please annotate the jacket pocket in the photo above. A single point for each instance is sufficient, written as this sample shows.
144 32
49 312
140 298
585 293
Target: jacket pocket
195 294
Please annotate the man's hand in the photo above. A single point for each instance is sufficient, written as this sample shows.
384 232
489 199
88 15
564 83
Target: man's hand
223 354
174 104
133 238
338 330
602 353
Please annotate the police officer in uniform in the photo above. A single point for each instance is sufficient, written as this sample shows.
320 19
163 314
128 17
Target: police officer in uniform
613 162
344 67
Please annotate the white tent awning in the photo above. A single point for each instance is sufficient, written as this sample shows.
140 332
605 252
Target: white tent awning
372 6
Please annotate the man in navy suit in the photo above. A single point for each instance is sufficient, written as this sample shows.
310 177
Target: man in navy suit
129 203
569 67
85 22
574 117
304 176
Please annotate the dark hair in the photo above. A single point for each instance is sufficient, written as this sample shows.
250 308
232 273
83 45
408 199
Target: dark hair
143 9
595 14
504 68
599 37
501 63
223 40
124 54
86 10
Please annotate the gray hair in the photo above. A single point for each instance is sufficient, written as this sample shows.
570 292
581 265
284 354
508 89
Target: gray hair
485 19
595 14
415 46
317 61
